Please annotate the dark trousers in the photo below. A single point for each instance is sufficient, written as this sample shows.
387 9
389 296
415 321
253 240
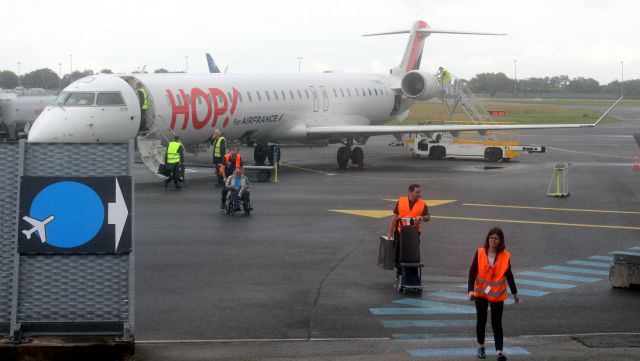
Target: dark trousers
234 197
216 163
143 119
173 174
482 304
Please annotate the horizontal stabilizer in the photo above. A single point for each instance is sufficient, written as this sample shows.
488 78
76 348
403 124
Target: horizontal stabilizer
435 31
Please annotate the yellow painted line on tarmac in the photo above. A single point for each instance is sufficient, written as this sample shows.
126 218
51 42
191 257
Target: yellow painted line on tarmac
365 212
550 209
387 213
430 202
534 222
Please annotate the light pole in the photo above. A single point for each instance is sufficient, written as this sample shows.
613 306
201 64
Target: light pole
186 63
515 78
70 65
299 63
19 73
60 76
621 78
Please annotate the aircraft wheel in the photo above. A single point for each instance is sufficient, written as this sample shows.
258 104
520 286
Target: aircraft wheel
264 175
260 152
357 156
437 152
493 154
343 160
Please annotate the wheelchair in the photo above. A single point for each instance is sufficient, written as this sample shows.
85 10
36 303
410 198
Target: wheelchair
408 266
231 205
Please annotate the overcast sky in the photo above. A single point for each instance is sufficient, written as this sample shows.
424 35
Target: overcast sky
586 38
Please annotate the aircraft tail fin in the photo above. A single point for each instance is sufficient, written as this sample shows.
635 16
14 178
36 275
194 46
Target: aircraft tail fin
213 68
413 53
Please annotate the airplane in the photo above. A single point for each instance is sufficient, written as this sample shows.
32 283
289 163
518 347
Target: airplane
38 226
256 109
213 68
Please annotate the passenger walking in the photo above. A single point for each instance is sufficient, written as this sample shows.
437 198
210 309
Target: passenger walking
219 150
488 277
174 159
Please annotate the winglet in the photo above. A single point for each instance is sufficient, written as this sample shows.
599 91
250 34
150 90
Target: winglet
606 113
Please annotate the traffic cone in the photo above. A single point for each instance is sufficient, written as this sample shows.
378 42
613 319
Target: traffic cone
636 163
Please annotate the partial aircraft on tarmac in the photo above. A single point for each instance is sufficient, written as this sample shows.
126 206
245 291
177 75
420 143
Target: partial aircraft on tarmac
314 109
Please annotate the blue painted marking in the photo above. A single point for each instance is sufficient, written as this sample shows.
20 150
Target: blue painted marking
560 277
587 263
533 293
602 258
453 295
78 211
427 323
545 284
422 352
625 252
419 310
523 292
577 270
635 248
448 307
439 337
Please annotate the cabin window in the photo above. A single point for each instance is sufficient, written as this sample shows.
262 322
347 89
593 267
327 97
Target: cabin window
370 93
299 94
375 91
249 96
307 93
259 97
349 92
229 97
239 96
364 93
357 93
342 92
275 95
109 99
267 94
291 94
335 93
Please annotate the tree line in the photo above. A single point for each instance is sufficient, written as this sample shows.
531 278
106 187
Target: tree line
491 83
47 79
488 83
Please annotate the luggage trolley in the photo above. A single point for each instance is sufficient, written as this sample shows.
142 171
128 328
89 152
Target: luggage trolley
403 252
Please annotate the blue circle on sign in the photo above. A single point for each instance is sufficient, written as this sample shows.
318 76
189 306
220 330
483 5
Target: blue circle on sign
78 212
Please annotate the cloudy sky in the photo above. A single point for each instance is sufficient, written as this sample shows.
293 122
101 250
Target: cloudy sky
586 38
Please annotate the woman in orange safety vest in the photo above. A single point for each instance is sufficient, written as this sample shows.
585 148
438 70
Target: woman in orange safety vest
488 278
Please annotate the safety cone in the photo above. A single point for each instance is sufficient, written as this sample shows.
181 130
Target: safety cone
636 163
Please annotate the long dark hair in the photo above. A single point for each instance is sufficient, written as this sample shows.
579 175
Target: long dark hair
497 231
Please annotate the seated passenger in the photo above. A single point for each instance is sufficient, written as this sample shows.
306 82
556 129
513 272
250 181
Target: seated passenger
239 187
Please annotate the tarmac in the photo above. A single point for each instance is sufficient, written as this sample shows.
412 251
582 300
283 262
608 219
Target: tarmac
298 278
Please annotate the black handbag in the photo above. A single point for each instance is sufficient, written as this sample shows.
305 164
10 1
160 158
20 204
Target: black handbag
162 170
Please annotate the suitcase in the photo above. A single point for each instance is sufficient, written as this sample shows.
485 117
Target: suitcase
162 170
387 253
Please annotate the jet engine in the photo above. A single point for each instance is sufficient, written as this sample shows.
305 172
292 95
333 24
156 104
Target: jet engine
420 85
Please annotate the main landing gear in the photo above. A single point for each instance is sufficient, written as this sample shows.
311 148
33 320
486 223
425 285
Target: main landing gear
263 152
346 154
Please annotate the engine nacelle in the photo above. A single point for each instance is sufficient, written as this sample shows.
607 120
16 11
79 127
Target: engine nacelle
420 85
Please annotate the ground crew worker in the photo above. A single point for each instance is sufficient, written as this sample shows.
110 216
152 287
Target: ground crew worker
489 275
409 210
143 99
446 78
174 158
230 162
219 150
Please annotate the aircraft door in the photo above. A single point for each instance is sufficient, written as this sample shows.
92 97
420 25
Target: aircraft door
325 98
316 100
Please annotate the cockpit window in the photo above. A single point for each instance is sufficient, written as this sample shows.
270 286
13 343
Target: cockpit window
109 99
75 99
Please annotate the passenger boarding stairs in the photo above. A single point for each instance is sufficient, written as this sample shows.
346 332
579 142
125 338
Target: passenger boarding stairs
460 94
152 144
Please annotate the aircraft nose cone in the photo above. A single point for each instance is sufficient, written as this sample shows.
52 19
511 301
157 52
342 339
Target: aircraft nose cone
43 130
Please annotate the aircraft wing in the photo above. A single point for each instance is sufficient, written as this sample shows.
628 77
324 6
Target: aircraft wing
370 130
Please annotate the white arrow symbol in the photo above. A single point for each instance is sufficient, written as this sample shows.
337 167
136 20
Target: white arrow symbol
118 213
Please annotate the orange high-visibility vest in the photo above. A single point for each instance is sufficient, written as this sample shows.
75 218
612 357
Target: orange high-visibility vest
227 157
405 212
490 281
